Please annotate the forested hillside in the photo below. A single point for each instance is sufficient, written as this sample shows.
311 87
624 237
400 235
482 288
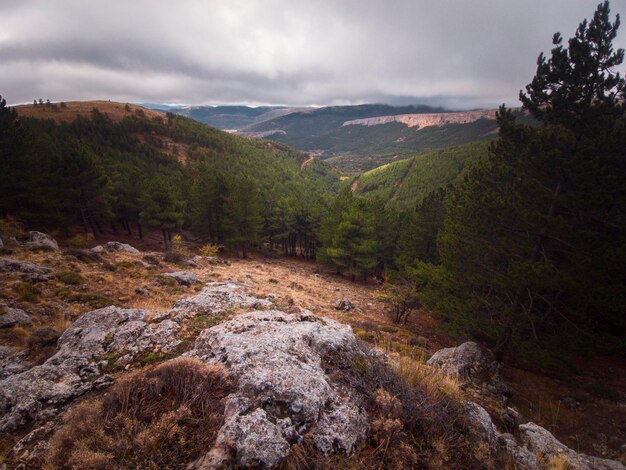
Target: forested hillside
405 183
364 145
526 249
162 173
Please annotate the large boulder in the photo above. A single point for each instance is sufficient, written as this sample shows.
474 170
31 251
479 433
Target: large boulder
344 305
283 391
541 441
184 278
14 316
465 361
99 340
41 241
117 246
9 265
217 297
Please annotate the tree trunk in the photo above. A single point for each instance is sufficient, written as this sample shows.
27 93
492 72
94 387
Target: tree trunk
165 239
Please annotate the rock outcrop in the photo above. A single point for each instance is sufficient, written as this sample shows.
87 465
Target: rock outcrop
468 361
425 119
14 316
9 265
12 362
541 441
115 246
41 241
283 391
344 305
464 362
98 340
217 297
184 278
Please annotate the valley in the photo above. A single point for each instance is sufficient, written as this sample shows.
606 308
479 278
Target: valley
291 280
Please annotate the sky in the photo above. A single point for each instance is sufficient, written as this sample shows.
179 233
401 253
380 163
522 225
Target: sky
455 53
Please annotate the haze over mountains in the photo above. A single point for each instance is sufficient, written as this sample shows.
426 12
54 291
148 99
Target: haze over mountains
352 138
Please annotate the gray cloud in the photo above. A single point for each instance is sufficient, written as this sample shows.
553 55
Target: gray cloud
448 52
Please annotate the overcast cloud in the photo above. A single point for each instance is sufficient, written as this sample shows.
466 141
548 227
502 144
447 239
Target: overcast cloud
458 53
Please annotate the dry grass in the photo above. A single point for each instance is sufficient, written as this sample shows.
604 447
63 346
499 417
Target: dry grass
72 109
416 421
162 417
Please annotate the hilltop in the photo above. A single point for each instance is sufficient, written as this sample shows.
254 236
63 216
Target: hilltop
69 111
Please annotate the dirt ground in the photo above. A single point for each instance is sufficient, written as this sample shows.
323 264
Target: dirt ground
588 413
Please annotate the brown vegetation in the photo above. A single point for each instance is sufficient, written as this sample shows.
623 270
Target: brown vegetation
162 417
72 109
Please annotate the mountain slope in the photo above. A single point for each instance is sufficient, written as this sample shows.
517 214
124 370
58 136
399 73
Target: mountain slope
114 154
226 117
358 138
405 183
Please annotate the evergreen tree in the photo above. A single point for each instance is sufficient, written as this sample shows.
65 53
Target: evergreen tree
243 221
354 247
533 239
162 207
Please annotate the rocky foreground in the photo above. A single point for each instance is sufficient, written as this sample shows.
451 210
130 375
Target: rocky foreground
288 385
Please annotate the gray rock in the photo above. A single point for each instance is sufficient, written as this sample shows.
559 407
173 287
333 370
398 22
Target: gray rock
184 278
255 439
119 246
142 291
215 298
12 361
465 361
111 332
9 265
482 424
33 277
98 249
275 359
30 450
41 241
523 457
542 441
14 316
344 305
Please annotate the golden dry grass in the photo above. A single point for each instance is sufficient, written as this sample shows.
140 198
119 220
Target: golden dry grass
115 111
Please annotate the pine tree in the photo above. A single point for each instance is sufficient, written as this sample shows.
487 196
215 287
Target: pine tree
354 247
532 245
162 207
242 221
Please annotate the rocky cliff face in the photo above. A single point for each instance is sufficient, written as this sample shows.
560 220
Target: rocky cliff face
425 120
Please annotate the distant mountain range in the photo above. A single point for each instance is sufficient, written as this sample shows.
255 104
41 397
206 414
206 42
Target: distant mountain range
352 138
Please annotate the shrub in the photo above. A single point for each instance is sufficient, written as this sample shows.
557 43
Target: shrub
173 256
416 420
11 228
27 292
161 417
93 300
85 256
79 241
42 343
70 277
210 249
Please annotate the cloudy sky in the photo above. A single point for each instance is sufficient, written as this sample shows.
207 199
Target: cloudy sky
458 53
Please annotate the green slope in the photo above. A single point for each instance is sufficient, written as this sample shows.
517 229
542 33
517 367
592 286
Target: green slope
405 183
120 158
